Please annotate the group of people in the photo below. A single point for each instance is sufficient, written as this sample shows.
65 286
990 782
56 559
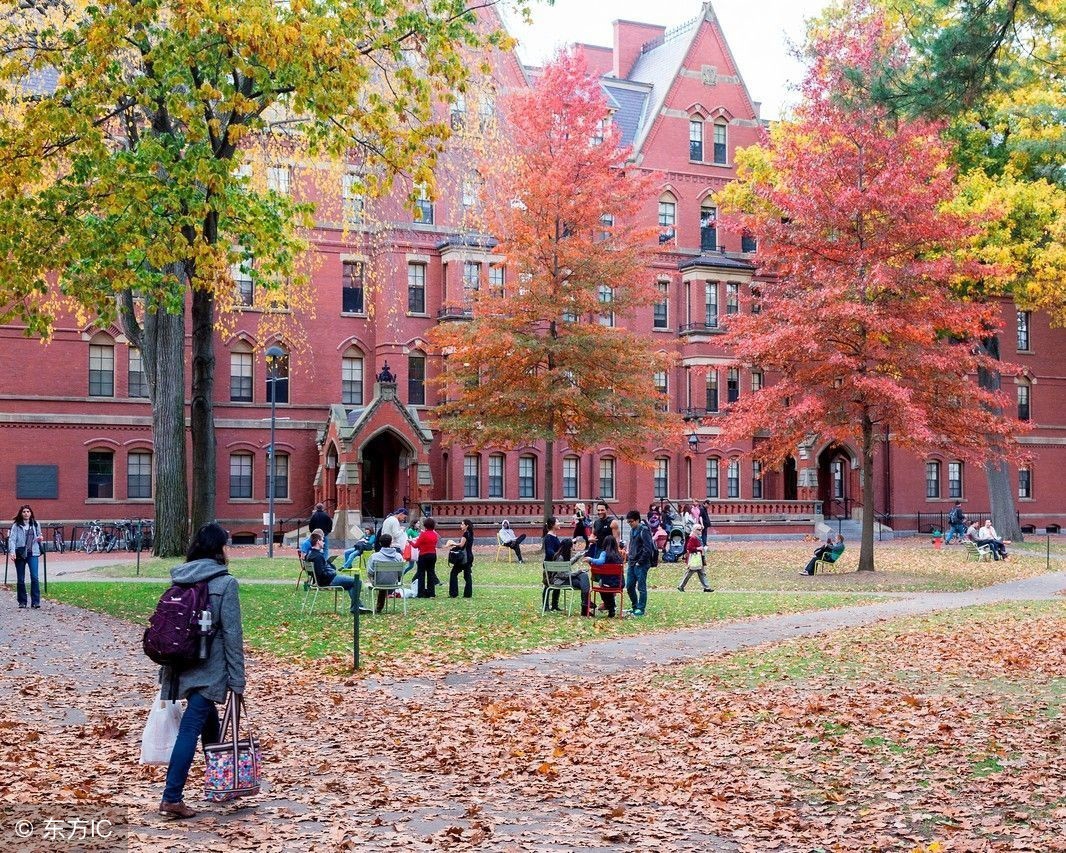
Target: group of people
985 535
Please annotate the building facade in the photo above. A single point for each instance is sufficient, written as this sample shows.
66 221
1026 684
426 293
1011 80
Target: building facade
76 423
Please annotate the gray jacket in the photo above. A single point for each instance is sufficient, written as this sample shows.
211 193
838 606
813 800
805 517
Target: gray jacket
224 666
19 536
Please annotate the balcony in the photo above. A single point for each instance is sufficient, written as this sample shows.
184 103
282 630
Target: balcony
703 327
455 312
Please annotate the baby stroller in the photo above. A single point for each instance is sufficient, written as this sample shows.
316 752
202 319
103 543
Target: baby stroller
675 543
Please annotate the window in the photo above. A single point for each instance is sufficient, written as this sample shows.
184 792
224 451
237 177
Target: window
695 139
240 377
486 110
756 479
242 280
660 310
277 380
470 190
416 379
838 474
607 478
712 389
732 385
607 223
281 476
352 199
708 228
278 179
756 381
732 298
496 475
138 384
570 474
1023 331
471 278
472 476
932 479
458 116
1023 401
605 294
954 479
719 142
712 476
101 370
423 206
659 381
101 474
667 218
416 288
1025 483
661 480
352 380
139 475
352 287
748 243
527 476
240 475
710 305
733 479
598 132
497 279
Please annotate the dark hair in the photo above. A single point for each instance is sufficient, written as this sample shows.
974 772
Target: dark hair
316 537
18 515
605 507
385 540
550 522
429 524
209 543
633 515
469 526
610 548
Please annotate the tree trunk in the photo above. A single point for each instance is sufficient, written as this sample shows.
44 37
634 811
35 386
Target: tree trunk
549 478
866 551
201 409
997 475
162 345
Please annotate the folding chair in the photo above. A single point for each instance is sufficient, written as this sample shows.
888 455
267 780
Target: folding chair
312 588
600 579
557 577
388 577
509 552
977 553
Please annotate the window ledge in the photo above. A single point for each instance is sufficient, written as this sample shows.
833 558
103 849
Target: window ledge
417 314
1026 352
139 500
362 315
101 500
248 500
661 329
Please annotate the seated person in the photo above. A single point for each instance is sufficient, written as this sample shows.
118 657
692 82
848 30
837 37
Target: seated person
326 575
973 532
608 554
387 554
557 549
509 540
987 536
829 552
366 543
305 546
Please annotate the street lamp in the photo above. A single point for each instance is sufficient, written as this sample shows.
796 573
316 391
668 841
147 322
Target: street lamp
693 441
274 355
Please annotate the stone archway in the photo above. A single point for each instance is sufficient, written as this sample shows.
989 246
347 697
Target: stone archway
384 460
836 488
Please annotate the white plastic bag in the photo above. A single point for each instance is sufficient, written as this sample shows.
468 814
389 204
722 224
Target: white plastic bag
160 731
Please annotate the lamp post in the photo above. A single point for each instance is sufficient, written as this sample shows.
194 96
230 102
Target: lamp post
693 441
273 355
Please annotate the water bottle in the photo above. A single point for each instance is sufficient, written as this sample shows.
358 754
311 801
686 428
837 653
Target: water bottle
205 631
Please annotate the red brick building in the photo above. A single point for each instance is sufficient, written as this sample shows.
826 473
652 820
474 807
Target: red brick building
76 424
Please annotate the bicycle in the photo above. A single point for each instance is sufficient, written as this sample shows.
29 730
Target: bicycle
92 539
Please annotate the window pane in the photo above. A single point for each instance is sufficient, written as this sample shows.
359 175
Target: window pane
732 298
695 140
240 377
416 288
661 482
748 243
101 370
527 477
954 479
352 381
495 476
756 380
101 474
277 383
709 228
352 199
416 380
471 476
1023 330
1023 402
137 381
733 478
240 475
733 385
712 390
660 310
712 477
423 207
1025 483
607 478
756 479
932 479
719 142
139 475
570 484
242 280
667 214
352 273
710 304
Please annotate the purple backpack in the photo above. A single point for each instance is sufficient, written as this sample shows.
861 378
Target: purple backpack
173 637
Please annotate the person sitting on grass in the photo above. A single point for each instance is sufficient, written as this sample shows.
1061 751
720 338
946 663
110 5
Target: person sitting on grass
326 575
509 540
607 555
387 554
828 553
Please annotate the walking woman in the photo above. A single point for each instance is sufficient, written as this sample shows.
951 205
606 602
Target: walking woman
462 560
204 683
24 544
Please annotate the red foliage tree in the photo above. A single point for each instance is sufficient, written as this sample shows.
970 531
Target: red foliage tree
857 319
541 358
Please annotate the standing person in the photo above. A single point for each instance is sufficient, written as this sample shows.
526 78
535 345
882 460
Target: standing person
556 549
465 542
829 552
582 524
326 575
641 549
694 561
204 683
957 522
24 544
396 526
705 520
320 520
601 529
509 540
426 574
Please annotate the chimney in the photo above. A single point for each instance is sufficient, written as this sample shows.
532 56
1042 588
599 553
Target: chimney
629 37
758 108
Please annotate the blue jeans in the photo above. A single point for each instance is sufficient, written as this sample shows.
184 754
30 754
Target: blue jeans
348 583
20 581
353 552
200 720
637 587
957 530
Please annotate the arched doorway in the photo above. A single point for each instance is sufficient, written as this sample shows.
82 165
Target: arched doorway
382 485
790 479
329 480
834 482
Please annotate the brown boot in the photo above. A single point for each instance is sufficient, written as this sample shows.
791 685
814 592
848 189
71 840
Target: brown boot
175 811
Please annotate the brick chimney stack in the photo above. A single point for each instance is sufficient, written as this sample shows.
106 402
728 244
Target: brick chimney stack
629 37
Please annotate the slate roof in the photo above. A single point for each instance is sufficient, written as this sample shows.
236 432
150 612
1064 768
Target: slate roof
629 108
659 66
718 261
40 82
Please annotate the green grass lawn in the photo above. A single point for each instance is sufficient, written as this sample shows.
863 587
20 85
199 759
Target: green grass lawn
439 632
906 565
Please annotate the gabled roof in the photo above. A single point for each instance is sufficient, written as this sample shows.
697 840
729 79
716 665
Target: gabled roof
630 105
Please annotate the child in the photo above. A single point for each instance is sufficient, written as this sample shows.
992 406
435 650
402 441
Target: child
694 560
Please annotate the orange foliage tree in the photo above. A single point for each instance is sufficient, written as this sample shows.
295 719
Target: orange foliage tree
542 358
857 319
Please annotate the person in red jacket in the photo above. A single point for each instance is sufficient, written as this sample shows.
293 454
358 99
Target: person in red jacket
694 560
426 545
